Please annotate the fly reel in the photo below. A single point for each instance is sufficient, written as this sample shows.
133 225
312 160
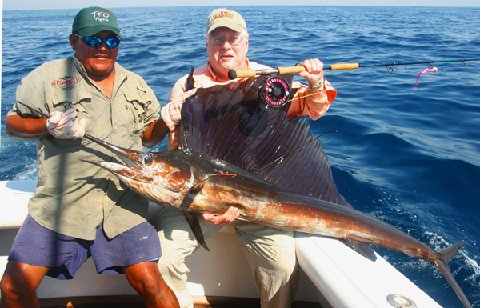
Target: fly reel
274 92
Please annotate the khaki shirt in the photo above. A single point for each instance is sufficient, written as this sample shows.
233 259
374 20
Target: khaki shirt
74 197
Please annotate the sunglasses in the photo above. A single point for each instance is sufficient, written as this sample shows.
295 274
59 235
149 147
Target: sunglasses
95 41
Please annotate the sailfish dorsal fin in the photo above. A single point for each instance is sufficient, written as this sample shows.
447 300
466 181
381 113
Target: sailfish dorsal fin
228 122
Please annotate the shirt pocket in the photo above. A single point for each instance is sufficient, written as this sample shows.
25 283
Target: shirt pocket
72 98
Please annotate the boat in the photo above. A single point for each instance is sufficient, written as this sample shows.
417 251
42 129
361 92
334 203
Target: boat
331 273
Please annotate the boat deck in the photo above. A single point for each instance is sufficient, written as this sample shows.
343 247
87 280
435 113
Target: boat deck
134 301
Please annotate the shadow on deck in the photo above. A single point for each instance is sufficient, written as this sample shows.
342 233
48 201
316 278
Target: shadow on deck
133 301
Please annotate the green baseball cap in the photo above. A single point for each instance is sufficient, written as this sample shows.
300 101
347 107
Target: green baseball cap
226 18
91 20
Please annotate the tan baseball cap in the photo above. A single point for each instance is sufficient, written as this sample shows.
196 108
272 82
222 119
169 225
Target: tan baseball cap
226 18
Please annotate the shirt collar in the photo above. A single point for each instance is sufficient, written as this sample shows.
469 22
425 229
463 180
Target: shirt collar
80 67
120 73
214 77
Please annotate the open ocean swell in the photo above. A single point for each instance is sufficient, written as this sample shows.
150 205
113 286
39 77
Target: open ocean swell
409 157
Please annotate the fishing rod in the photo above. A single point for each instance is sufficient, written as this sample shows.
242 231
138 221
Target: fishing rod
286 70
275 92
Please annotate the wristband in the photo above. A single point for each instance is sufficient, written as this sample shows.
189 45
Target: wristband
319 86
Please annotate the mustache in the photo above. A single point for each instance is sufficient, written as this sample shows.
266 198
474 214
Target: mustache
102 55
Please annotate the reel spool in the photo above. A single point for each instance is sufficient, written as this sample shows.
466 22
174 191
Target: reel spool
274 92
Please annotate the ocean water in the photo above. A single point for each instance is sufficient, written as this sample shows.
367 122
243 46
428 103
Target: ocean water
407 156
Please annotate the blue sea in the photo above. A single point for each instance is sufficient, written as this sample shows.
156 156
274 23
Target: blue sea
410 157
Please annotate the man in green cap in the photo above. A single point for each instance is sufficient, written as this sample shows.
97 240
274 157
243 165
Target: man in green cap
78 210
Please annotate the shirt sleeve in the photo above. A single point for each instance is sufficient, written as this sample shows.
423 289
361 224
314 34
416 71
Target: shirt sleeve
178 89
311 103
177 93
151 108
31 92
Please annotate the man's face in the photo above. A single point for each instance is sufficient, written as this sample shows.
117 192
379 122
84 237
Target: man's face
227 50
98 61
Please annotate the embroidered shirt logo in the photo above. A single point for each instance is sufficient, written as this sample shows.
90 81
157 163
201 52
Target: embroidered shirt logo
101 16
65 82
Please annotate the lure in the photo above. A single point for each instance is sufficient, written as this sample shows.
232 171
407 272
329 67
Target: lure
427 70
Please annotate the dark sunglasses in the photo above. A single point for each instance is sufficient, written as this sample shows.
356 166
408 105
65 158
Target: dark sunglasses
96 41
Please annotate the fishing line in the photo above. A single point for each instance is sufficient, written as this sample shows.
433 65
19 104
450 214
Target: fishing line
390 66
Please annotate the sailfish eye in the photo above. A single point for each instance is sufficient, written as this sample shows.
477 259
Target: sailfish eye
147 159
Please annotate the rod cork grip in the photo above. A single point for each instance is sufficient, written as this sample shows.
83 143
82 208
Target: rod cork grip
344 66
232 74
290 70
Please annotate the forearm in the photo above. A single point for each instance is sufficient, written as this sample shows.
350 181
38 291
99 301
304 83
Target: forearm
154 133
312 103
26 128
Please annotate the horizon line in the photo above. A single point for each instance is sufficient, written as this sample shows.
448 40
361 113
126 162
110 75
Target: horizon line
246 5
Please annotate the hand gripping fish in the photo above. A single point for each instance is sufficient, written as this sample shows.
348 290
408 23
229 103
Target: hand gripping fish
234 153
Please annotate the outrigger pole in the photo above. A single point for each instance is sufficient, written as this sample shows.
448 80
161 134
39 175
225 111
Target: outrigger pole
334 67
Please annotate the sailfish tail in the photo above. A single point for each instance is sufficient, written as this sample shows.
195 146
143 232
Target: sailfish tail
443 258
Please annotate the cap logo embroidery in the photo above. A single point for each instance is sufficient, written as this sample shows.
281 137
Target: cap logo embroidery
222 14
100 16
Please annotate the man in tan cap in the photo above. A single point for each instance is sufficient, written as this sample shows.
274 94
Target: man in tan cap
270 252
78 210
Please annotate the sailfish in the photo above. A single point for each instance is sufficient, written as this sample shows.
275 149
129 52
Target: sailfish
234 151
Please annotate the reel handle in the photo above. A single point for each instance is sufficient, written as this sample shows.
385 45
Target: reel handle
286 70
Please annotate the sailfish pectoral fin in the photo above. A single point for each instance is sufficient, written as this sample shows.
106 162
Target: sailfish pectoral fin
193 222
191 217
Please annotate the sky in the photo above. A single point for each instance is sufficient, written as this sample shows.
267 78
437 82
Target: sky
62 4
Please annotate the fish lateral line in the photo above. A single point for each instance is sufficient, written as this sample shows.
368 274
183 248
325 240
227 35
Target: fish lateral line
221 175
208 177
